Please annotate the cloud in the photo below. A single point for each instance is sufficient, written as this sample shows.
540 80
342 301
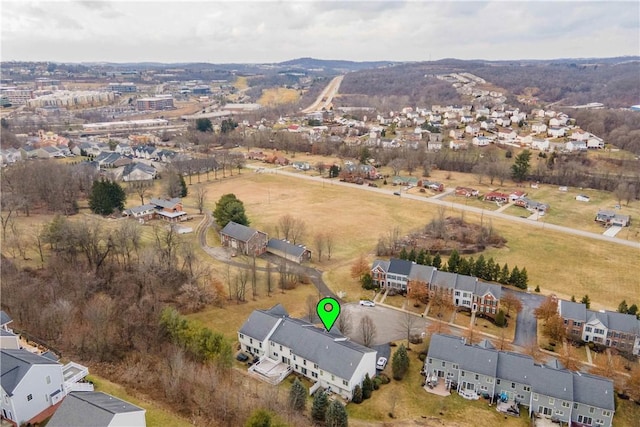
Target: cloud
271 31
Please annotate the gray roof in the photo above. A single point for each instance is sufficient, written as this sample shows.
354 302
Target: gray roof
286 247
4 333
5 318
482 288
238 231
593 390
163 203
444 279
616 321
141 208
14 365
572 310
261 322
552 382
335 355
89 408
400 266
422 273
141 166
515 367
466 283
469 358
384 265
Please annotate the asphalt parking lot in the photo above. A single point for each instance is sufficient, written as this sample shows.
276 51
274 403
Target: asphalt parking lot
391 325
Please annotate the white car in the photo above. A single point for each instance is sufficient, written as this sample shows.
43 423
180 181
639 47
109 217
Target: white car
382 362
367 303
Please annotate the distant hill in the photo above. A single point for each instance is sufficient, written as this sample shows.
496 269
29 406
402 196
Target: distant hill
332 64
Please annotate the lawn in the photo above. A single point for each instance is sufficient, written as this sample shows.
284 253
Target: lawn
279 95
407 400
156 415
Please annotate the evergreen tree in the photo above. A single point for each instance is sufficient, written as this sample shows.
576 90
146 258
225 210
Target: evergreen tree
463 267
480 268
412 255
633 309
491 265
204 125
500 320
229 208
183 187
428 260
106 197
403 254
357 394
515 276
297 396
504 274
496 272
586 301
520 169
400 363
622 307
453 262
336 415
523 283
260 418
573 298
420 257
437 261
319 408
367 387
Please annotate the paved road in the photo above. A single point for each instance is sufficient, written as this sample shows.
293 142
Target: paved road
222 255
391 325
536 224
326 97
526 326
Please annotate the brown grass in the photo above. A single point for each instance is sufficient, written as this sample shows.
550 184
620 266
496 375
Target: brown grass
278 95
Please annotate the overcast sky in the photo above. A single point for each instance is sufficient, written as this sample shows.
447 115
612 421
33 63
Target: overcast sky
268 31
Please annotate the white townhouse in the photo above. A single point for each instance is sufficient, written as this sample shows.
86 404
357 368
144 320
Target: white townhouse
285 344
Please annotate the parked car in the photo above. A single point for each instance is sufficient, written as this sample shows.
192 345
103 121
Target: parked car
367 303
242 357
382 363
396 193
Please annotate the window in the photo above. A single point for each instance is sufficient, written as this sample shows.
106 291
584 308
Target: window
490 380
584 419
588 329
314 374
606 413
513 385
566 321
592 410
280 348
575 406
294 357
48 379
462 374
315 366
477 377
565 404
241 336
560 413
304 371
304 362
260 345
599 422
430 360
455 366
526 388
498 381
333 378
578 324
345 382
535 396
552 401
250 340
29 397
275 354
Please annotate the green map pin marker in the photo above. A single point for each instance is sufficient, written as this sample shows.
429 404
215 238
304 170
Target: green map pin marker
328 310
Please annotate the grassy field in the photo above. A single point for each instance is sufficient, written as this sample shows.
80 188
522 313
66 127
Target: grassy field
560 263
156 415
278 95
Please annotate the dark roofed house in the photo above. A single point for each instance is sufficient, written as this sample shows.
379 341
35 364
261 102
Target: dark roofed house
284 249
243 239
97 409
550 390
138 172
169 209
609 218
286 344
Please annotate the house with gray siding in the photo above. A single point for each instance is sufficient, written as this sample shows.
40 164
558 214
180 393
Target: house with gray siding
245 240
285 344
30 384
549 390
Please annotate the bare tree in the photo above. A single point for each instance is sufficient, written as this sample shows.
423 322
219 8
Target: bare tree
292 229
408 322
269 280
345 322
319 244
396 165
320 167
254 277
201 194
367 331
329 242
312 302
141 188
242 277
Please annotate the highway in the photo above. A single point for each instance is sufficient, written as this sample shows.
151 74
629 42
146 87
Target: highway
325 99
458 206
